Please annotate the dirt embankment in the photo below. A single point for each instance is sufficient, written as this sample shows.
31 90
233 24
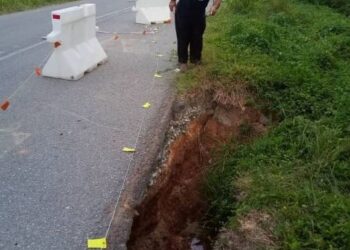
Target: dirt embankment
169 217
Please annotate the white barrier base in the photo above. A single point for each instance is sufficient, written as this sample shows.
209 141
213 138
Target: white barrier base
73 63
153 15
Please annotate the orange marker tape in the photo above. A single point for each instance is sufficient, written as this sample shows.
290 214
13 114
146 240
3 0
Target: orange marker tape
38 71
4 105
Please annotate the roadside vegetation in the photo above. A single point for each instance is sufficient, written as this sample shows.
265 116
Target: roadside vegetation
8 6
341 5
294 58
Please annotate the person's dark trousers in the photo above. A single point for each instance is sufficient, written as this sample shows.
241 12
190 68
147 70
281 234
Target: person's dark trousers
189 31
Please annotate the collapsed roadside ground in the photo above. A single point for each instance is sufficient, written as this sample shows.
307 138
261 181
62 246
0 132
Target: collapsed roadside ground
290 187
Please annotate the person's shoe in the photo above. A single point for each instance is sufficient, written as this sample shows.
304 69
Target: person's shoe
183 67
196 62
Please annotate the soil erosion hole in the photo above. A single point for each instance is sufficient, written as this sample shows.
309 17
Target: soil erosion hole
169 216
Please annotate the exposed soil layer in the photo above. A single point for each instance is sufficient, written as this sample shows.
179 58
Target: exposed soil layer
169 216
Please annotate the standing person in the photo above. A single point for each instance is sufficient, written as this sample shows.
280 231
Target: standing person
190 25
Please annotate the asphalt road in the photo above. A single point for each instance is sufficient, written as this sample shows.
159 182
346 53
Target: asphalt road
61 165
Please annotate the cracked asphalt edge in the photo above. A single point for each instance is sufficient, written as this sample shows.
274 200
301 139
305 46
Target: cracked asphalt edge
144 164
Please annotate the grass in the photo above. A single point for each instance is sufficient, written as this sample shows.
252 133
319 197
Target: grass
295 58
342 6
8 6
299 173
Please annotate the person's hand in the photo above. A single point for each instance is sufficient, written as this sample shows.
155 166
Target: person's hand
213 10
172 5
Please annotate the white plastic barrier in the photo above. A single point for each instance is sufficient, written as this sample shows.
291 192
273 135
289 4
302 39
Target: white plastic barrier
152 11
77 49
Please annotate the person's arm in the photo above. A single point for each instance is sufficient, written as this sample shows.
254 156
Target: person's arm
215 7
172 5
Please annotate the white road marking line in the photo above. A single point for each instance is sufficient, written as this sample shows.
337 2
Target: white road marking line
20 51
14 53
112 13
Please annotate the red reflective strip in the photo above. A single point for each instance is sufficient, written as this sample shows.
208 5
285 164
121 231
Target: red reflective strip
55 16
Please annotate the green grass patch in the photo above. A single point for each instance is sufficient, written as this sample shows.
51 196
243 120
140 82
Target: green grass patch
295 58
293 55
342 6
300 174
8 6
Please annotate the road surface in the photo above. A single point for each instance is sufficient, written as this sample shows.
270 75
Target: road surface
61 165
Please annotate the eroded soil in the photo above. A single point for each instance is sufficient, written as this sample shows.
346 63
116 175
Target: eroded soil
169 217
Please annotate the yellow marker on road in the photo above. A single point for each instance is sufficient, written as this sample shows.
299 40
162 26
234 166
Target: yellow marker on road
147 105
97 243
129 150
157 75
